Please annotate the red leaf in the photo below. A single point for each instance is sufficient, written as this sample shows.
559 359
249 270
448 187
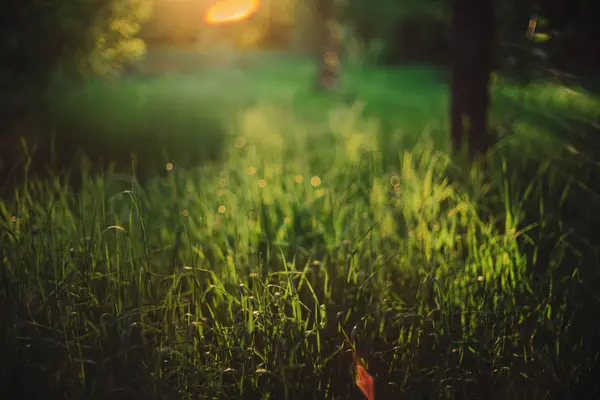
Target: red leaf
365 381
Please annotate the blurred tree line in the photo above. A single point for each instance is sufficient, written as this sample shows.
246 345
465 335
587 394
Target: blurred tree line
390 32
42 39
399 30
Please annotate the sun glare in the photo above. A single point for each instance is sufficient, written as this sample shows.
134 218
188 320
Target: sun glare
226 11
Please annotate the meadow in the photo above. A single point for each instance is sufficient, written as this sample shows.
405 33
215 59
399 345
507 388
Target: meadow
288 231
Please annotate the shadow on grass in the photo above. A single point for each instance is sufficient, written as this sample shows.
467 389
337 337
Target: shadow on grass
145 153
117 133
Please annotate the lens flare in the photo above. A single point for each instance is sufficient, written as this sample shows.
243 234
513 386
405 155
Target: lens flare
230 11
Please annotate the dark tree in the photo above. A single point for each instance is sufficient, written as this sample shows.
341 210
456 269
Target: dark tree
472 32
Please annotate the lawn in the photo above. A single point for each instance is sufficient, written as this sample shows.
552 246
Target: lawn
328 226
188 100
184 100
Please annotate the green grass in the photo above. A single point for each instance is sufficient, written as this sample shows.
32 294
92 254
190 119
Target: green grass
182 103
173 106
319 229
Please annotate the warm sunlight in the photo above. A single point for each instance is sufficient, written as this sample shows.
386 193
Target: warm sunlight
230 11
320 199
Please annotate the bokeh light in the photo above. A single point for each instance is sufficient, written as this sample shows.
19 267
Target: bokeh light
230 11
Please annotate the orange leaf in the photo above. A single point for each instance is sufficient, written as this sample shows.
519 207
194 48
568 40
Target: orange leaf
365 381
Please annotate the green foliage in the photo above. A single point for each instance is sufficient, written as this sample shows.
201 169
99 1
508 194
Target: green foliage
408 30
41 38
358 52
541 37
116 37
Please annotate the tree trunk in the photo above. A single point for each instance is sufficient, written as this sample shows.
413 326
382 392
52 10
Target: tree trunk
329 57
470 97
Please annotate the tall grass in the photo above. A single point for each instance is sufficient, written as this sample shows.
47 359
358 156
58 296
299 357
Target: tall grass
243 278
